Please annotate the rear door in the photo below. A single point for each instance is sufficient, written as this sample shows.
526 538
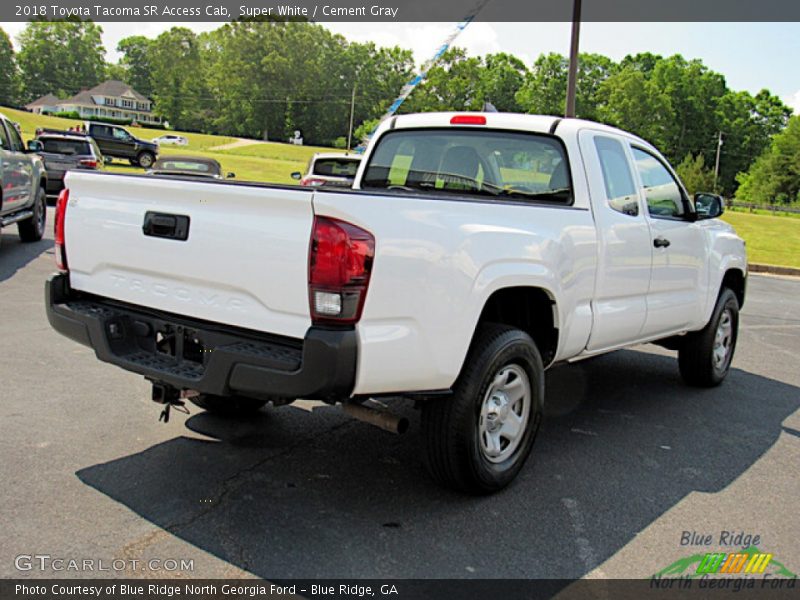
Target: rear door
678 280
619 307
243 262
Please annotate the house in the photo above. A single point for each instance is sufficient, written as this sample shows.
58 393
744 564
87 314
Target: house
111 99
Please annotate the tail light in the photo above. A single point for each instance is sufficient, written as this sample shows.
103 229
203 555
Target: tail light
60 242
89 163
312 181
340 262
468 120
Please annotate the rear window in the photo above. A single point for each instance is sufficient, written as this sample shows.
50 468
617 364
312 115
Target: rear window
336 167
502 164
58 146
184 165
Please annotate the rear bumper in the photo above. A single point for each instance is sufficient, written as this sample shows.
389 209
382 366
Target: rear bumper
207 357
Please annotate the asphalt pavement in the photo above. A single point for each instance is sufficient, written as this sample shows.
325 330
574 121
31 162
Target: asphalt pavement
628 459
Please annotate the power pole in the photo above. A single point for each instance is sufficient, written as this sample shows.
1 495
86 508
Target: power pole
352 110
716 164
572 77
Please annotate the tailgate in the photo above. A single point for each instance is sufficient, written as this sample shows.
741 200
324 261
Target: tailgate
244 261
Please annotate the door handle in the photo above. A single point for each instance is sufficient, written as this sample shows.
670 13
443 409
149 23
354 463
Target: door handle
661 242
174 227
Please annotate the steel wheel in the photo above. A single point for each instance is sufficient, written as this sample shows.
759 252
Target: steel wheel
505 413
722 339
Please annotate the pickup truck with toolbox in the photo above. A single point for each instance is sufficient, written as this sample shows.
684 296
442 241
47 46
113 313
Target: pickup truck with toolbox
475 251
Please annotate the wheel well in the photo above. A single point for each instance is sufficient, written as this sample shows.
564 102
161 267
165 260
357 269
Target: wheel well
734 281
530 309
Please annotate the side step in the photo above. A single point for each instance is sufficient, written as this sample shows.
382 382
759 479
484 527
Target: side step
16 218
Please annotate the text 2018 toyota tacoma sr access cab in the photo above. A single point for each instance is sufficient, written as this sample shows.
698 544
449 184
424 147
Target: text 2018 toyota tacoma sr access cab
475 251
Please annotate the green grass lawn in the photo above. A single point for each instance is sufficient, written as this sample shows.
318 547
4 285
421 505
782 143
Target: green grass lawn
770 240
271 162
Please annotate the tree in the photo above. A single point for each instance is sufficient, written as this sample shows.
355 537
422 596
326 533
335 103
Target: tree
8 71
632 102
694 174
136 63
179 85
775 177
453 84
501 77
60 57
545 88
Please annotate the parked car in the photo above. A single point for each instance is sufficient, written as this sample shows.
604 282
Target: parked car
171 139
62 152
116 142
330 169
23 183
189 166
474 251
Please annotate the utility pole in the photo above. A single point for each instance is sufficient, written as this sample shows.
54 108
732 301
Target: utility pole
352 110
572 77
716 164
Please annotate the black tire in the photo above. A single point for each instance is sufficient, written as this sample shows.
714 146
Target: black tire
145 159
700 365
228 406
32 229
452 427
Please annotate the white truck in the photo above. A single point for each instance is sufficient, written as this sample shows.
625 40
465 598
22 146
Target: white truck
474 251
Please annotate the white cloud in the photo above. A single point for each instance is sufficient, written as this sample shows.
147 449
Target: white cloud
794 102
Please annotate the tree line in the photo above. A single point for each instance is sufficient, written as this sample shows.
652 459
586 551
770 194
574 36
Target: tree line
267 78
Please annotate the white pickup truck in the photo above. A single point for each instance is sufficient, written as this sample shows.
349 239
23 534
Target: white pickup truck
474 251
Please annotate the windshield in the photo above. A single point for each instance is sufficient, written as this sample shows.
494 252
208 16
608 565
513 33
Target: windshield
522 166
336 167
60 146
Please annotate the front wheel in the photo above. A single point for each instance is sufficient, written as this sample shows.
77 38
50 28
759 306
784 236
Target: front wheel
145 160
478 439
32 229
228 406
705 356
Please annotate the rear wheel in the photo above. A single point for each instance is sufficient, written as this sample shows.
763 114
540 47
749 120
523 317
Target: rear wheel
478 440
705 356
32 229
229 406
145 159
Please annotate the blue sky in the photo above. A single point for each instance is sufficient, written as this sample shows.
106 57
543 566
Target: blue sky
751 56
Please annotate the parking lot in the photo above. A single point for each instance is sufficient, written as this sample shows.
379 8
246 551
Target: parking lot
628 459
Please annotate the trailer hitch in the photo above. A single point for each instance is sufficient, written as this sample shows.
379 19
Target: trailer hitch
170 397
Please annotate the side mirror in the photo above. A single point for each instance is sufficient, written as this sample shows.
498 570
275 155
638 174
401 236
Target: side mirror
230 175
35 146
297 175
708 206
108 160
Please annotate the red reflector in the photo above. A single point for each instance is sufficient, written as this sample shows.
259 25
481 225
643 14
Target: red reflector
61 213
90 163
468 120
340 263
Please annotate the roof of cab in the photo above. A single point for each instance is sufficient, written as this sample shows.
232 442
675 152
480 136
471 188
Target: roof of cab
498 120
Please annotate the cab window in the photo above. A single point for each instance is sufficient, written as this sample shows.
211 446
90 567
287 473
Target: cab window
14 138
4 137
664 195
506 165
617 176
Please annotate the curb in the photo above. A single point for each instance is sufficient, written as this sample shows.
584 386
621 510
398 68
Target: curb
773 270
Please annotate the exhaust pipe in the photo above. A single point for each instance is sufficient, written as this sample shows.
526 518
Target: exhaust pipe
381 418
